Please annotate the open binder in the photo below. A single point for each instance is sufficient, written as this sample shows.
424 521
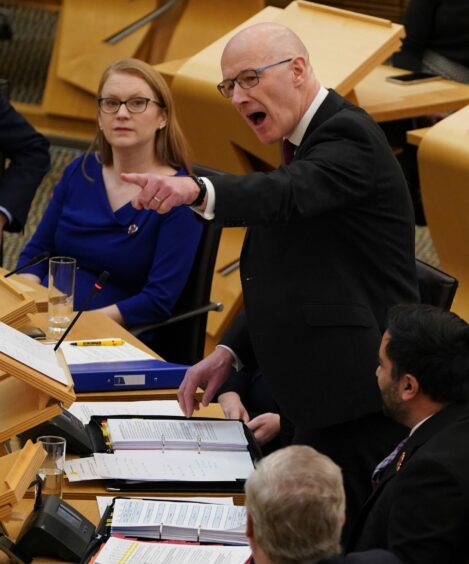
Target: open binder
100 444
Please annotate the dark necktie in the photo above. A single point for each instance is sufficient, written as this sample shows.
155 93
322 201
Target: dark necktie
288 151
385 462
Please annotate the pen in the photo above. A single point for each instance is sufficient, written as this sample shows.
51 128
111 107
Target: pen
100 343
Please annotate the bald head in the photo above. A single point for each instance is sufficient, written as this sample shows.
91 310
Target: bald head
269 40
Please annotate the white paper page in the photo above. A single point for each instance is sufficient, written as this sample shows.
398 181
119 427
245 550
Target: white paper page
135 512
31 353
174 465
103 501
118 353
185 431
117 551
80 469
85 409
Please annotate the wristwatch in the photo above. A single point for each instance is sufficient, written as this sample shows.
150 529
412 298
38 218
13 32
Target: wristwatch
203 190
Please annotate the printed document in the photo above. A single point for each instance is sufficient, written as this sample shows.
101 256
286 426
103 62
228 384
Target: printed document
84 410
22 348
185 521
117 551
180 434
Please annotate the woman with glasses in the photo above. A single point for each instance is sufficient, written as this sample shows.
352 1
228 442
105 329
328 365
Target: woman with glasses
149 256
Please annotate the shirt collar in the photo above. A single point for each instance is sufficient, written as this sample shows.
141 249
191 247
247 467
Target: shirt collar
297 136
415 427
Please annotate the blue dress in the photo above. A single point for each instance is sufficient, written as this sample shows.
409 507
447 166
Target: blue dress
149 256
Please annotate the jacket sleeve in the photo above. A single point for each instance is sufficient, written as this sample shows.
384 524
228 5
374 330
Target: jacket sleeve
28 154
428 514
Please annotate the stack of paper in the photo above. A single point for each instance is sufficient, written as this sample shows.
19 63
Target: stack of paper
84 410
182 434
159 466
204 522
134 552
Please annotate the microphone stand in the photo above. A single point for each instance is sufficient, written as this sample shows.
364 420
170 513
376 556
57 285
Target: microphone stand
98 285
32 262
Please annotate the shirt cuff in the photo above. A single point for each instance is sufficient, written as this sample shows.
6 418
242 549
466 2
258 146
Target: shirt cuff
237 363
209 211
8 215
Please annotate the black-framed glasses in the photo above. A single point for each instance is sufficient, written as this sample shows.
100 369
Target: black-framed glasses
247 78
133 105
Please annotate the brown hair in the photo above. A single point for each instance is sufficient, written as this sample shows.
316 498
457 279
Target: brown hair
170 143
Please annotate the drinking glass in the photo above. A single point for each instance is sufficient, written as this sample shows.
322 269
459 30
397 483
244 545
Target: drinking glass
61 290
52 469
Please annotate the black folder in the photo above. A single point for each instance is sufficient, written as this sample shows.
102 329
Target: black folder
94 430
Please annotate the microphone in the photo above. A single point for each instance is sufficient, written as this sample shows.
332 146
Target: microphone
31 262
98 285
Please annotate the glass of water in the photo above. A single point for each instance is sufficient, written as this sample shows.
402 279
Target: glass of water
51 471
61 290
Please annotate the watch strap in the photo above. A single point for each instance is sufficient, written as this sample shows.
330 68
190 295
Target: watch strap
203 190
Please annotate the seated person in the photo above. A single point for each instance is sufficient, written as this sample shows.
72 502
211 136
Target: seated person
420 507
295 504
437 38
149 256
28 157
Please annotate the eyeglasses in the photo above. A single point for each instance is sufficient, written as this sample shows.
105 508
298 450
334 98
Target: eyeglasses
247 78
133 105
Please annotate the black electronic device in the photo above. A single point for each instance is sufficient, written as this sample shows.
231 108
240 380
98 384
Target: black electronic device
55 529
97 287
413 77
65 425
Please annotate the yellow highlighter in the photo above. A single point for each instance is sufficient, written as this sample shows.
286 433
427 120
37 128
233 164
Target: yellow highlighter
99 343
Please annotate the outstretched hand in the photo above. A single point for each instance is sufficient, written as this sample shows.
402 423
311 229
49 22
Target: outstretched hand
162 193
209 374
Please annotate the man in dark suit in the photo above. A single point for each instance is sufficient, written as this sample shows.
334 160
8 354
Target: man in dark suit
28 154
330 247
295 504
420 507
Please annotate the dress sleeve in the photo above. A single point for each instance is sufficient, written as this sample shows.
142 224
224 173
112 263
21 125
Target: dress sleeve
43 239
174 254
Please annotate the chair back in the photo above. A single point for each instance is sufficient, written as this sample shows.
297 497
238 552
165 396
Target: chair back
443 159
183 342
436 287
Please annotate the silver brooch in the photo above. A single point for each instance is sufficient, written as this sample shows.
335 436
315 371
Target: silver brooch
132 229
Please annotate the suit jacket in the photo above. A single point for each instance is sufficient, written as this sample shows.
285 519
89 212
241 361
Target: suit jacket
28 152
420 509
329 249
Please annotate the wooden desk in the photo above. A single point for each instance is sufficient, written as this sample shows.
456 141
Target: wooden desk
87 507
416 136
95 325
89 490
386 101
